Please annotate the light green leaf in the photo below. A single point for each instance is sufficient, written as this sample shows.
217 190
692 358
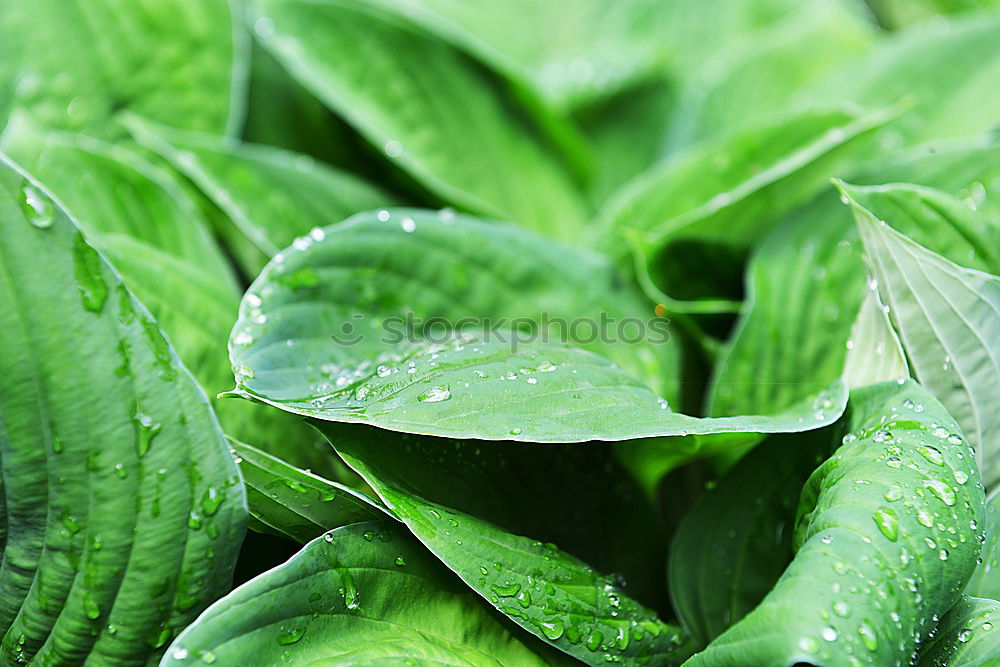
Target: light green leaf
300 193
968 636
733 544
895 14
762 73
944 68
123 507
728 192
295 503
356 302
947 317
75 64
885 541
805 281
874 353
985 582
364 594
484 509
345 52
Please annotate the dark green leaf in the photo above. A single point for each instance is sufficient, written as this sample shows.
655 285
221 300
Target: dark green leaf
734 543
364 594
295 503
887 534
484 509
123 507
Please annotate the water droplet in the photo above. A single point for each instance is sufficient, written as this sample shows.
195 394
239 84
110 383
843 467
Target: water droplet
944 492
943 554
887 522
960 476
179 653
400 561
965 635
515 431
383 371
829 634
808 644
842 609
393 148
211 500
924 518
932 454
552 629
89 277
291 636
893 494
317 234
145 430
868 636
435 394
38 210
408 225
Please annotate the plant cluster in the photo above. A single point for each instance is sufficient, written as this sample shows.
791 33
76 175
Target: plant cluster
634 332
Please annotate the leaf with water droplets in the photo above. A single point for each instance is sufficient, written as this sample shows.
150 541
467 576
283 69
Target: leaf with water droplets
295 503
345 599
456 497
108 445
985 582
370 340
874 572
967 636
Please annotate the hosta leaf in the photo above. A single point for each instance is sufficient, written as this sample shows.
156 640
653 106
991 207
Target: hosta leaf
345 297
123 509
733 544
111 189
301 193
943 68
947 317
142 220
74 65
874 353
344 52
805 281
967 636
985 583
887 534
762 73
484 509
727 191
364 594
295 503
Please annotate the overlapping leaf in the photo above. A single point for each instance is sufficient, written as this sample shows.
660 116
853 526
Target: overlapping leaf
123 510
888 532
967 636
345 52
496 515
947 317
296 503
363 594
340 327
75 64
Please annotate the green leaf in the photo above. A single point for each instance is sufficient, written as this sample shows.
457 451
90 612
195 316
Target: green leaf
885 541
364 594
805 281
358 302
947 317
74 65
985 582
874 353
733 544
728 192
967 636
295 503
762 73
301 193
484 509
944 68
344 53
123 507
